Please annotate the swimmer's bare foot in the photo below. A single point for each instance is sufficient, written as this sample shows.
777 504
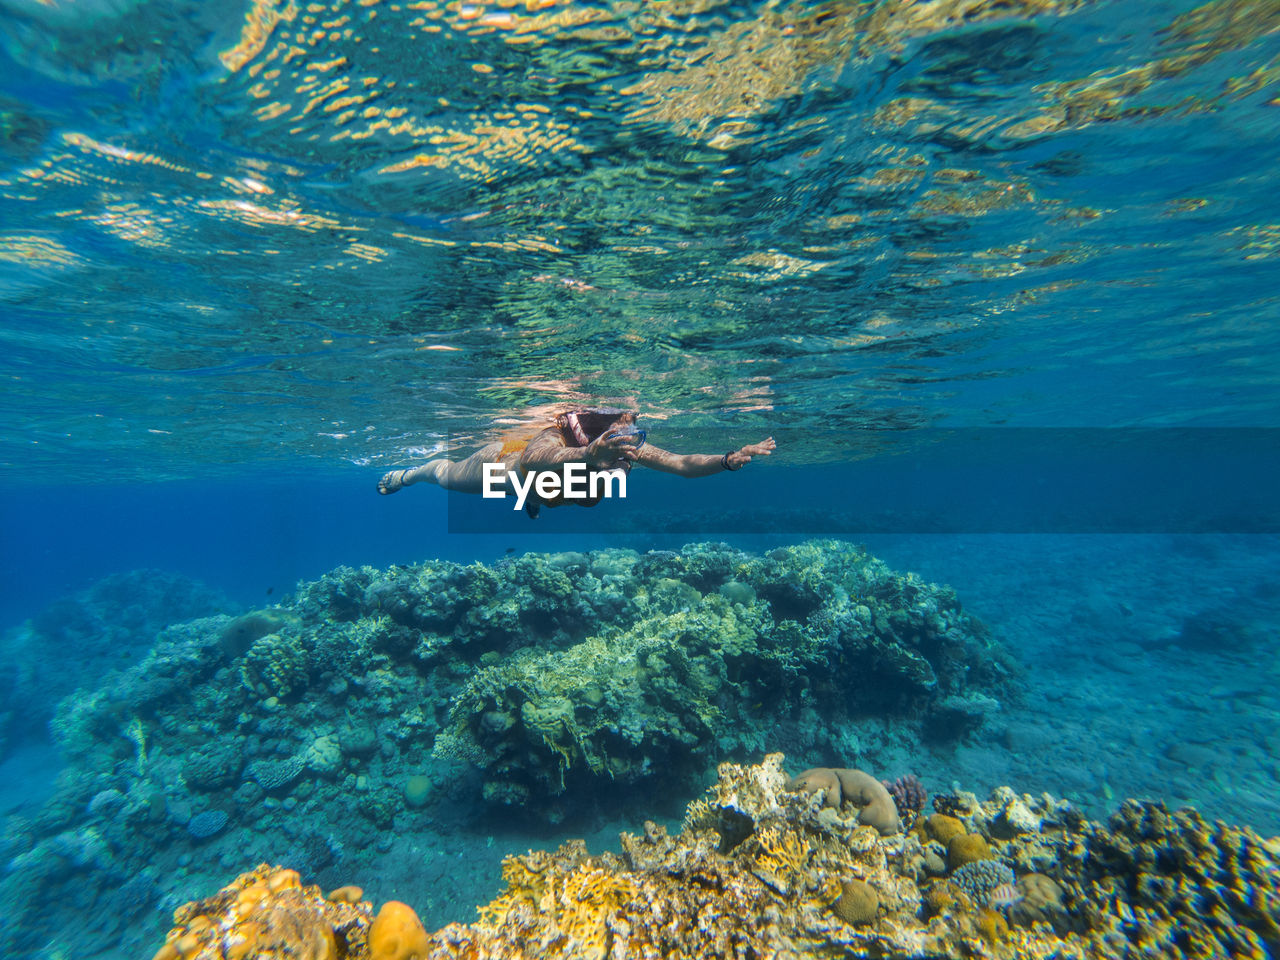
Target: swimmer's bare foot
391 482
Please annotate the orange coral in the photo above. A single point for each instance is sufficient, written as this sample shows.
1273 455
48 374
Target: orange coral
265 915
689 897
347 894
783 861
524 884
397 934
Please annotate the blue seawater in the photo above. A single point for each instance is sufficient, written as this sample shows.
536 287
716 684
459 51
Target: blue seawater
999 277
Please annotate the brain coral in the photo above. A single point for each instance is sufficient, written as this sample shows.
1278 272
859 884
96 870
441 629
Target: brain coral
965 848
858 902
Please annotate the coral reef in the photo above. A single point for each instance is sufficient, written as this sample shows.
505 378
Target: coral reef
396 933
711 642
105 625
359 708
763 871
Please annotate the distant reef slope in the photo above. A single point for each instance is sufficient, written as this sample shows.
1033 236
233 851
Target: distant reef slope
541 682
760 870
75 640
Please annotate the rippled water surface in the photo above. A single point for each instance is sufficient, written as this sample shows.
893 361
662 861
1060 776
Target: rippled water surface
260 230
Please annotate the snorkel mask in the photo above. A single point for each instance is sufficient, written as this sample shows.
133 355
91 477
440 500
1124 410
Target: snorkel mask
583 426
629 435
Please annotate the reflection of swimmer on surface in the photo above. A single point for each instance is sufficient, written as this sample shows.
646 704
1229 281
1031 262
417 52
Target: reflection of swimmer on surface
607 441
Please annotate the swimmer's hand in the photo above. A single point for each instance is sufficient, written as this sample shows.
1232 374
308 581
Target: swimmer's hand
742 456
609 448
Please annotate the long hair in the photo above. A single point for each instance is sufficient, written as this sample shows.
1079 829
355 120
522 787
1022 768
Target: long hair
581 427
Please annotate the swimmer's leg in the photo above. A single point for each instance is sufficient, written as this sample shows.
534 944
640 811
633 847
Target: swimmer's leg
466 476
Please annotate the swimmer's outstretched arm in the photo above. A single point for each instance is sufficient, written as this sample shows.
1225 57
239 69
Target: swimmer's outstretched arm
702 464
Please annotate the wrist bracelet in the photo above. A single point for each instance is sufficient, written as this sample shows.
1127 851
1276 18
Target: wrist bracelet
724 462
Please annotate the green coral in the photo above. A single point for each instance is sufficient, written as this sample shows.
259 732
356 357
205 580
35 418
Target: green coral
618 704
547 584
720 645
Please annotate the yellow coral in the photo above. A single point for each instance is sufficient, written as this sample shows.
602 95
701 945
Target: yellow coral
589 897
784 859
967 848
939 897
523 884
397 933
991 926
264 915
698 815
942 827
579 906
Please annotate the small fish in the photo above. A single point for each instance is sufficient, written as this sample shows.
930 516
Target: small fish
511 549
270 590
1003 897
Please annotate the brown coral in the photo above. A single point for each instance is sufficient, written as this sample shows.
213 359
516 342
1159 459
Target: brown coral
852 786
967 848
942 827
991 926
858 902
1040 901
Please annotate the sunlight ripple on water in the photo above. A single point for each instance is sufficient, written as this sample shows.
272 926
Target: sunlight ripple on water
247 230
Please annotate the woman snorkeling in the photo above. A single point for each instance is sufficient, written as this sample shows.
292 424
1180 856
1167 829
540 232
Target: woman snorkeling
607 441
